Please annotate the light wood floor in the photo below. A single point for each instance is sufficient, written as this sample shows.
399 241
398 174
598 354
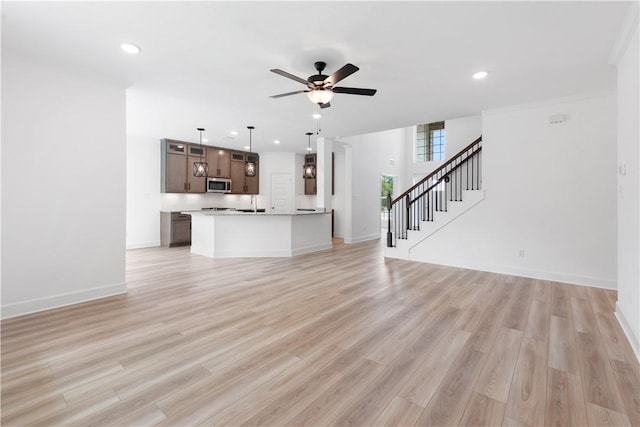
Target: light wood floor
341 337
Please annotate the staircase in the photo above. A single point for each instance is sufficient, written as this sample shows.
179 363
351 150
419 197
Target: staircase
434 202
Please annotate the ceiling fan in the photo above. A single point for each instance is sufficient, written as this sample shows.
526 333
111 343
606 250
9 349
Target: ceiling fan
320 88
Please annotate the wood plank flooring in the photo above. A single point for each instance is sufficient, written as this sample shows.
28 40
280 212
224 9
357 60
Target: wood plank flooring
340 337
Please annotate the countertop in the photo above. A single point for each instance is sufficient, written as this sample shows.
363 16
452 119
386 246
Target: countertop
233 213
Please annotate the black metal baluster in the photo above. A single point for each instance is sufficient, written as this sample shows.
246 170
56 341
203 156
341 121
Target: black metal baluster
457 171
396 221
444 202
389 238
453 186
460 179
479 169
467 165
401 218
423 205
472 173
408 207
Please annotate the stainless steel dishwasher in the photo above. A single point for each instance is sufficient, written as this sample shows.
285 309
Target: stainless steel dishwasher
175 229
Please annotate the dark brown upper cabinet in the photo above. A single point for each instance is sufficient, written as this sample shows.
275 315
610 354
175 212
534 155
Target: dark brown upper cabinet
219 161
241 184
177 160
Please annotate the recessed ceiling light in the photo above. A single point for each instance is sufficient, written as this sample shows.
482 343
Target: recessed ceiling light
317 115
233 132
276 142
246 147
480 75
308 148
130 48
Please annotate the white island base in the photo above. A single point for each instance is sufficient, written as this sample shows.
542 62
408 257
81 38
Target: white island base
236 235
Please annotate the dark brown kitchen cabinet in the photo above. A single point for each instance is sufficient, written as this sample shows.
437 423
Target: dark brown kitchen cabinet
219 162
175 173
241 184
177 160
195 184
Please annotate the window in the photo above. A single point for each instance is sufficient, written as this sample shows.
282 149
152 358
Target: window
386 189
430 142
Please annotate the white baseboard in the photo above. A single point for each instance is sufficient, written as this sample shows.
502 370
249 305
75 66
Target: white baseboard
61 300
596 282
309 249
140 245
262 254
245 254
362 238
628 331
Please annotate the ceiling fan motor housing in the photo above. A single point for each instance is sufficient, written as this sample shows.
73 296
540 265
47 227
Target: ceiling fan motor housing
318 80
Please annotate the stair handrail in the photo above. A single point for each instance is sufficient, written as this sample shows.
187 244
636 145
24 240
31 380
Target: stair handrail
446 174
435 172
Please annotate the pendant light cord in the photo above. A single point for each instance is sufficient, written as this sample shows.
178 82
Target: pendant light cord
251 128
201 150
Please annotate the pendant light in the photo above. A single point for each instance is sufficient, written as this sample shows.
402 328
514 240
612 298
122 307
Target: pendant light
250 165
309 168
200 168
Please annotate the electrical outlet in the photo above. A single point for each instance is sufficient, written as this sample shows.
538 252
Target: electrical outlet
521 253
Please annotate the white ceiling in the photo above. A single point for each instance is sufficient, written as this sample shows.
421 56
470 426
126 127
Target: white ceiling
207 63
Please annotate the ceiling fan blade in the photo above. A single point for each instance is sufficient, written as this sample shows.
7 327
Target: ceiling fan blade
290 76
288 93
342 73
325 105
355 91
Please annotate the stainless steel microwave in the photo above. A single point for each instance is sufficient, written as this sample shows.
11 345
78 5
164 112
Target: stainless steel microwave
218 185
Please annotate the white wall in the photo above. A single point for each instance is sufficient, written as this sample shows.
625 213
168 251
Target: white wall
628 305
367 158
143 190
63 186
550 192
340 191
459 133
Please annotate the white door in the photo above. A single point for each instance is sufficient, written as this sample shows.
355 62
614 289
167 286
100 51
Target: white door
281 192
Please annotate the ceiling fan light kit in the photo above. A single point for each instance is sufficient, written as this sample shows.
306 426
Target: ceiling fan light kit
321 88
320 96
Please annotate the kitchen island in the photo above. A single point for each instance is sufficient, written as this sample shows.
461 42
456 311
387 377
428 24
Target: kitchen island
234 234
